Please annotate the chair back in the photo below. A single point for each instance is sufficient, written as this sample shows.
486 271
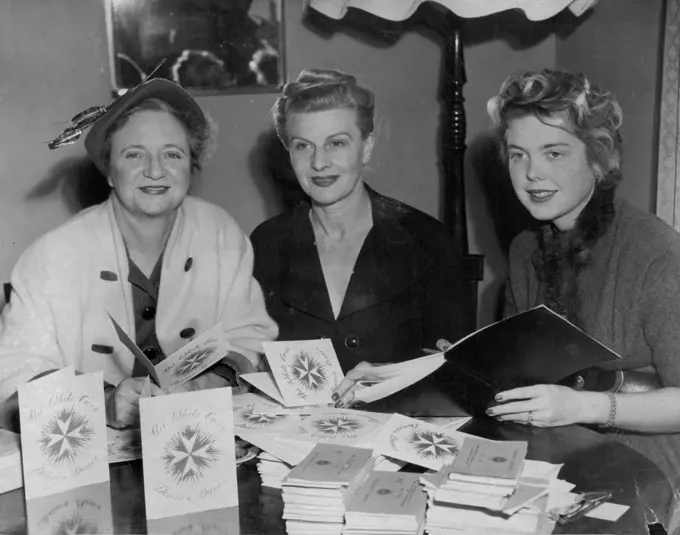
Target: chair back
6 292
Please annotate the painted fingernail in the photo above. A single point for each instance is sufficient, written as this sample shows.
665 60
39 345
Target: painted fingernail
335 397
498 397
339 404
489 412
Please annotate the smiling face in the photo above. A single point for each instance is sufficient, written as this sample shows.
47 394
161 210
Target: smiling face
150 164
549 169
328 153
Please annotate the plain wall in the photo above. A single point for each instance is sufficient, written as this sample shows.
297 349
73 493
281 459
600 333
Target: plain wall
54 63
619 45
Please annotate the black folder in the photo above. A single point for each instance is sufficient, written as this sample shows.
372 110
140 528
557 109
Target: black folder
534 347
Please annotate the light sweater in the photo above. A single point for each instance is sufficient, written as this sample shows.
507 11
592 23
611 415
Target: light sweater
629 300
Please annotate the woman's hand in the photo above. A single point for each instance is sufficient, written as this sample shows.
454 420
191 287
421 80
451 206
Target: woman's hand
539 405
202 382
362 372
122 402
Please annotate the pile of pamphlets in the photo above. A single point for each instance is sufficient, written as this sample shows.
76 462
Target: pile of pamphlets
316 491
388 503
483 490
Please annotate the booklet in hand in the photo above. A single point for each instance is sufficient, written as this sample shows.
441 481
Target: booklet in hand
303 372
535 347
184 364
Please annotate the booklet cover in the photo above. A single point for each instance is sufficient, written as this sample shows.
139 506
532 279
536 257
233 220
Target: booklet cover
416 442
482 460
188 452
184 364
246 419
63 432
389 493
329 465
338 426
306 372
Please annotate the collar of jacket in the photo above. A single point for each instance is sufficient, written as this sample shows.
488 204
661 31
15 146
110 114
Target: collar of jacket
390 261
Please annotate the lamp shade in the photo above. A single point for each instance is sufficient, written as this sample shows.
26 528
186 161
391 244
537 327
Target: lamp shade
397 10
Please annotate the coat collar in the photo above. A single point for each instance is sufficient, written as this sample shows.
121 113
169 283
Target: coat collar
389 262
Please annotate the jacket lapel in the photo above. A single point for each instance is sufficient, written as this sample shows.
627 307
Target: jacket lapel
301 283
110 294
389 262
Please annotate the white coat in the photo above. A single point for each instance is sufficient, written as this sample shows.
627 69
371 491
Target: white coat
63 290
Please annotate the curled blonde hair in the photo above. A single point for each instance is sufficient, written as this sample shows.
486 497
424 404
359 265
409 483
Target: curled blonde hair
592 114
321 90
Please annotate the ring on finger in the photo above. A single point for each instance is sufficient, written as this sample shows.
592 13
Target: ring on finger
530 418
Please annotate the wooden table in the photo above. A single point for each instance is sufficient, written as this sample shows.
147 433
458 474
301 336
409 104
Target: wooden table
591 460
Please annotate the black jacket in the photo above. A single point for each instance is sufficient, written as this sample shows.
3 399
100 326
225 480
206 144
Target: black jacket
407 289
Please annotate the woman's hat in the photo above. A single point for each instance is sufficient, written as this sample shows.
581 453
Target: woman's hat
99 119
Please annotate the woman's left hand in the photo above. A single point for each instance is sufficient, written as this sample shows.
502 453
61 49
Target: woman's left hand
539 405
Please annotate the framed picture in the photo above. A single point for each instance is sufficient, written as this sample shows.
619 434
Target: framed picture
206 46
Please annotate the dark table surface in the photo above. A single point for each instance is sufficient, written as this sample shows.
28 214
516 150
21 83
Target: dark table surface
591 460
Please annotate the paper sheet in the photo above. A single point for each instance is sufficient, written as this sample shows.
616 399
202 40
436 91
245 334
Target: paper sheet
420 443
184 364
306 372
188 452
264 381
246 419
338 426
63 438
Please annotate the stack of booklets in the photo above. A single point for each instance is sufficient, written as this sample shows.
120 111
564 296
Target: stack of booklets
387 503
316 491
483 490
272 470
11 476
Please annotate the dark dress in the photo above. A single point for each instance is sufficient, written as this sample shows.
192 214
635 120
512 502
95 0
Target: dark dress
407 289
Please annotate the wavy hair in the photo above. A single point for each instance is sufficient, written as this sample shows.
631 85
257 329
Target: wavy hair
321 90
593 116
202 136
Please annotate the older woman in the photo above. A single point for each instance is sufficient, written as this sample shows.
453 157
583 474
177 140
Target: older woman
377 277
165 265
608 267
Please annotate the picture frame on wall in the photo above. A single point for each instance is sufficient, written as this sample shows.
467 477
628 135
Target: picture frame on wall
206 46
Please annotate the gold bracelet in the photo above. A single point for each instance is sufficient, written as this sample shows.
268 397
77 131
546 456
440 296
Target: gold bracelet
611 419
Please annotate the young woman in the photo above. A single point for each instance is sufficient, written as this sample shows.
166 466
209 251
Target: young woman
609 268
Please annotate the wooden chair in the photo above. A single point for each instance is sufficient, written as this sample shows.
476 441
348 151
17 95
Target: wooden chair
454 131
